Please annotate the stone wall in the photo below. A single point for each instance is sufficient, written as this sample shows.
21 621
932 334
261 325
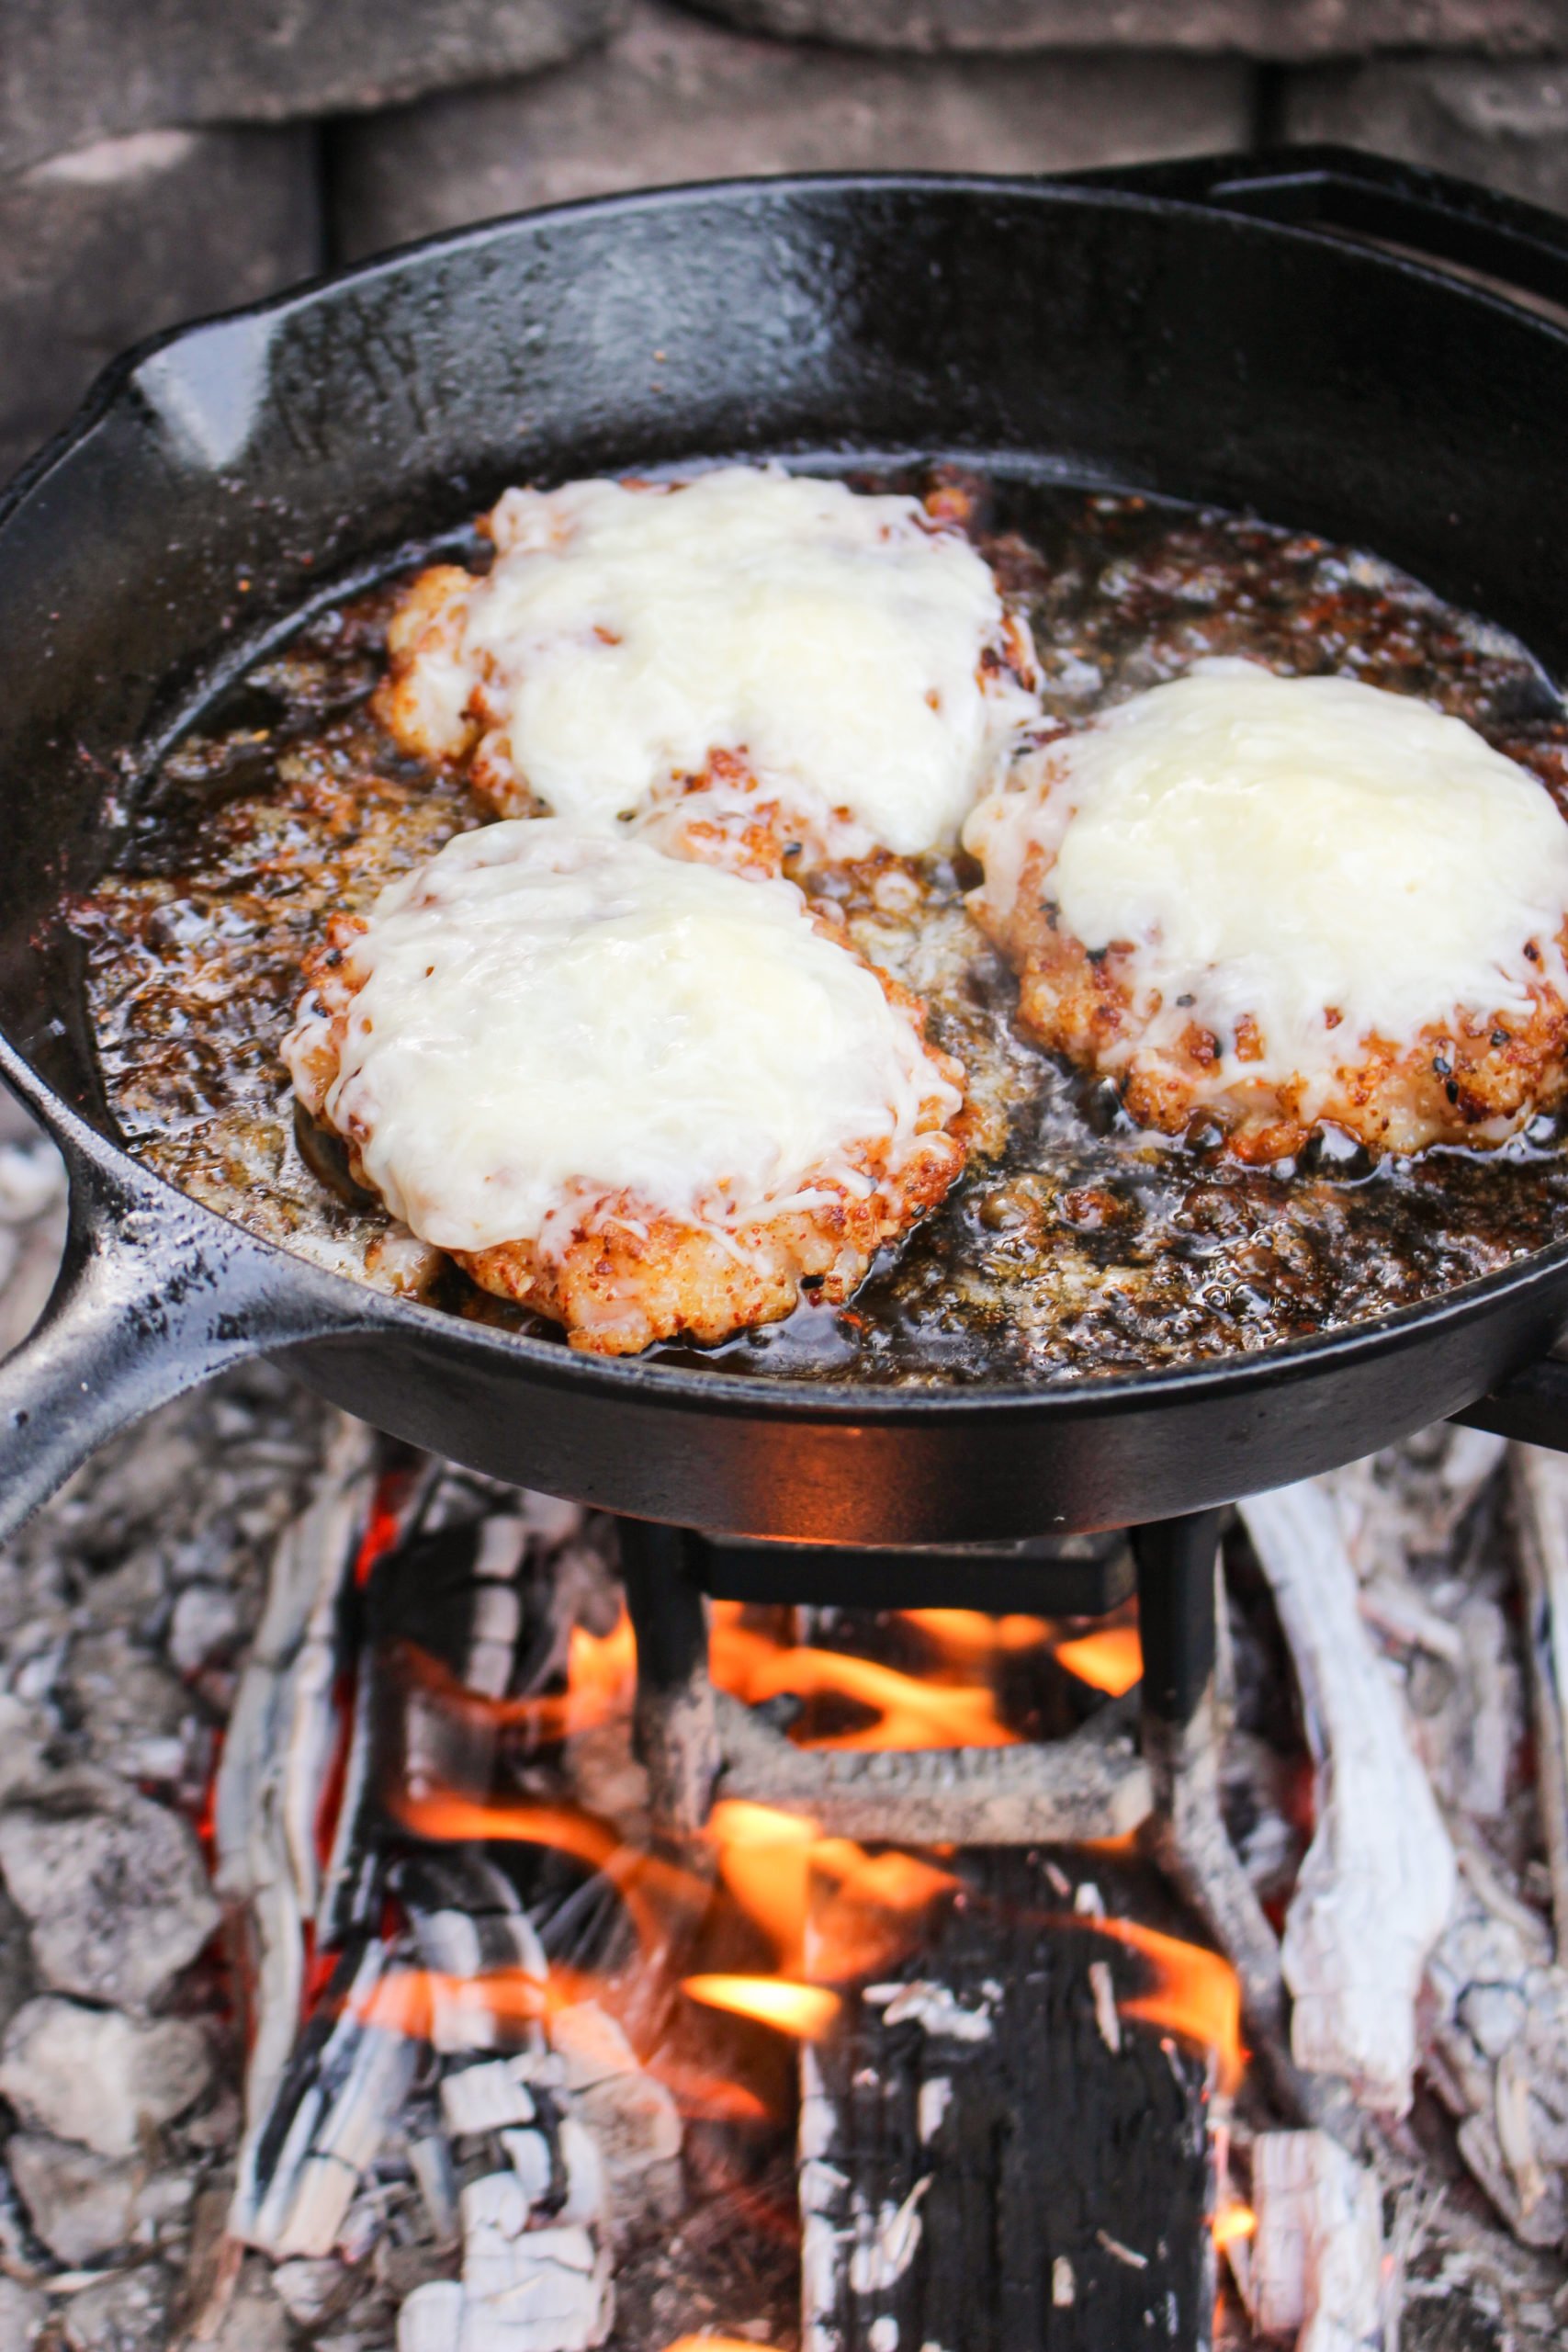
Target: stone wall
182 155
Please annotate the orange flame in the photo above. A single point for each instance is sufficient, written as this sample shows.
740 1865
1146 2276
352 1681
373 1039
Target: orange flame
803 2010
970 1633
1234 2221
871 1919
909 1713
767 1859
653 1891
1196 1992
407 2001
716 2344
764 1859
1110 1660
601 1675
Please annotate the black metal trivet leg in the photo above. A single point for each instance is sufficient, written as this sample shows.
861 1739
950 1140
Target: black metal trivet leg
1176 1613
1187 1833
673 1724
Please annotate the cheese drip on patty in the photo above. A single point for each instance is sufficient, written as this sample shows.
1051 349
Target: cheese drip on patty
844 649
1318 859
541 1017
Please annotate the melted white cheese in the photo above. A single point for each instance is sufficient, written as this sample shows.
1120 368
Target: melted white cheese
543 1015
1289 847
832 639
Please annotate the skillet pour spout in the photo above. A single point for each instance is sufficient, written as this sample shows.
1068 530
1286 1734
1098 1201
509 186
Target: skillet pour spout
1258 334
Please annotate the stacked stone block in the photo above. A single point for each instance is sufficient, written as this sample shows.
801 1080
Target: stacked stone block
182 155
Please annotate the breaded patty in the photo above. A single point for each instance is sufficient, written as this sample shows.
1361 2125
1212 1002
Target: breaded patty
753 664
647 1099
1262 905
1473 1079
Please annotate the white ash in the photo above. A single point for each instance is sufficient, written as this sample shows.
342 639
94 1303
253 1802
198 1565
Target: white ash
934 2008
1441 1599
1313 2270
1378 1880
118 2122
32 1221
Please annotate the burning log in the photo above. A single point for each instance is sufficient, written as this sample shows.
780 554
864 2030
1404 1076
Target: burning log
1313 2269
276 1761
1093 1785
942 2207
347 2078
1378 1881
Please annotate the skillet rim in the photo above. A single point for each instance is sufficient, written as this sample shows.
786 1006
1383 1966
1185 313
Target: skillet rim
782 1395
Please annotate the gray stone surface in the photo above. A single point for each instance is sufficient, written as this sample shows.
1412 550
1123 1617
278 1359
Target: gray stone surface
107 244
116 1898
17 1980
1266 29
1504 123
137 1717
76 70
128 2312
22 2315
254 2319
98 2077
675 98
80 2204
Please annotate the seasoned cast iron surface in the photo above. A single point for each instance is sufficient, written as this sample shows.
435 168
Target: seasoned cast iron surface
1073 1244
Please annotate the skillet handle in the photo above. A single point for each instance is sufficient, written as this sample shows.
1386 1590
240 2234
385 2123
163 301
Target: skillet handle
148 1304
1429 215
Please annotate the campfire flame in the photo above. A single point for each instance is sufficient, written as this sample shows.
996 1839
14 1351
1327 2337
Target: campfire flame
601 1677
1110 1659
767 1860
1196 1994
764 1861
1232 2222
908 1710
792 1921
803 2010
716 2344
656 1893
970 1633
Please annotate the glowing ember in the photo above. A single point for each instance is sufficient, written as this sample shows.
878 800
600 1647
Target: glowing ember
1234 2221
1110 1660
1196 1994
909 1713
716 2344
803 2010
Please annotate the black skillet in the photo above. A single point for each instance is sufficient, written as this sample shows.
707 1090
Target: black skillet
1208 331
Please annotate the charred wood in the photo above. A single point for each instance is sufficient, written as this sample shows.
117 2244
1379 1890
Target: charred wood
1093 1785
984 2167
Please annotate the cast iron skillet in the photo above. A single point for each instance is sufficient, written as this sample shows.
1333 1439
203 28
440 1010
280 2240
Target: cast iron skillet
1199 330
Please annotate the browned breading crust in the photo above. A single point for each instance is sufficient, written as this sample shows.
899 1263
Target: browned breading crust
1470 1080
628 1274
